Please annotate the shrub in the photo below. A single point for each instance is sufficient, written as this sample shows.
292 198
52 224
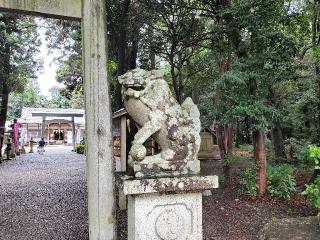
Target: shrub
246 148
83 141
314 153
300 150
230 160
248 181
280 180
80 149
313 189
269 149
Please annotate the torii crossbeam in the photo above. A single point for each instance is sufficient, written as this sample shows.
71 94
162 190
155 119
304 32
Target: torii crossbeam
98 113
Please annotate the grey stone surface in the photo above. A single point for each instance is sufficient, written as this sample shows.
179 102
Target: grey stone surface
165 217
207 193
303 228
61 8
176 128
167 185
43 197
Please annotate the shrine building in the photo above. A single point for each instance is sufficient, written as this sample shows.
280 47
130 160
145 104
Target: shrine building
56 126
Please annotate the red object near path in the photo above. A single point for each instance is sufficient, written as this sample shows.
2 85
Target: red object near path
15 127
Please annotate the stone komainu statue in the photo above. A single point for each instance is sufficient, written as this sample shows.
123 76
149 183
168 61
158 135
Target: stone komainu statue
176 128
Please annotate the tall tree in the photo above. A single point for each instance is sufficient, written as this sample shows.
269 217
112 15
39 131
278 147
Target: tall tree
177 33
19 45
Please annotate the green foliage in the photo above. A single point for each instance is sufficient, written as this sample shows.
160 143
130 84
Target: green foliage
248 181
30 97
315 155
80 149
246 148
19 46
269 149
65 36
313 191
280 179
300 150
250 64
281 182
57 100
221 178
230 160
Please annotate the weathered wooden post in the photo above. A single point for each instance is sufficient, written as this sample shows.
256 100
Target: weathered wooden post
123 158
100 179
43 126
98 118
73 134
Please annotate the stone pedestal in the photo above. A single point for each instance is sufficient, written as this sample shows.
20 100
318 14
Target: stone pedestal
166 208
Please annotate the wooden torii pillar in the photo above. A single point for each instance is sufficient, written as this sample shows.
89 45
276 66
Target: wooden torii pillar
100 179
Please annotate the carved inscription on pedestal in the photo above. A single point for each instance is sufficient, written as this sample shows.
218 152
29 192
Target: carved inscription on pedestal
169 225
165 217
171 222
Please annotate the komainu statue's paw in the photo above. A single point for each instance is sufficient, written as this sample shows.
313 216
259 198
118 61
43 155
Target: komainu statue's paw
138 152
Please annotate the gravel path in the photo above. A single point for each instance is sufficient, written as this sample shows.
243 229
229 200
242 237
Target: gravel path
44 196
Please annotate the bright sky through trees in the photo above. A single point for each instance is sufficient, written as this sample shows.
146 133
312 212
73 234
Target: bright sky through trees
47 76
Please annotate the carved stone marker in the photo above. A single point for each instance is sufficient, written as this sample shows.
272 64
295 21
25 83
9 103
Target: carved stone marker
165 190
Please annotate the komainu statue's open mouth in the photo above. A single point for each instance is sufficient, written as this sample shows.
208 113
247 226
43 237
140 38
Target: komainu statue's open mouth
135 87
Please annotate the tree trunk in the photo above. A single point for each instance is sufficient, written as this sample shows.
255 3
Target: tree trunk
219 135
122 44
247 135
3 112
152 59
132 61
318 105
278 143
122 47
238 135
195 95
228 139
175 84
181 96
222 138
133 50
258 138
152 54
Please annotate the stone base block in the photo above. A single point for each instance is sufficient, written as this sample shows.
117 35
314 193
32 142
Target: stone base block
166 168
165 217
